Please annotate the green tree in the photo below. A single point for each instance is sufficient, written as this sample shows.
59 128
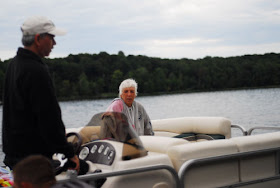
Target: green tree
84 85
65 90
159 80
117 78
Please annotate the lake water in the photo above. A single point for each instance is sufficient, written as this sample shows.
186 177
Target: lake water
249 108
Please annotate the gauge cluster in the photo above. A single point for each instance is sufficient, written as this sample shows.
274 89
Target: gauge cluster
98 152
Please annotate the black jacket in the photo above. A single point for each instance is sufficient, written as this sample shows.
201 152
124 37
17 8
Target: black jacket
32 122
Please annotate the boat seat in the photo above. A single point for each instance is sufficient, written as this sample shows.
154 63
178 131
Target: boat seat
223 172
90 133
182 153
193 128
136 180
87 133
160 144
144 179
258 166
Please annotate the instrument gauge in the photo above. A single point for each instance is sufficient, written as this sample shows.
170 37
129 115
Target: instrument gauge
93 149
84 153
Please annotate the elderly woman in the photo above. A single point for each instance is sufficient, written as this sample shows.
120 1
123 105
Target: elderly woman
135 112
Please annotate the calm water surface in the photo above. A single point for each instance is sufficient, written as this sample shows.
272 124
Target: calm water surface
249 108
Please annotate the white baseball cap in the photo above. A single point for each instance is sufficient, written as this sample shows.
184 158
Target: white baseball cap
40 24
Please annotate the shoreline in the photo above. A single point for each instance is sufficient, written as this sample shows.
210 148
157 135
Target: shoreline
114 95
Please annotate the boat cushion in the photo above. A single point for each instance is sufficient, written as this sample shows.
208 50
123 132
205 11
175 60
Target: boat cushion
187 125
143 179
165 133
224 172
160 144
258 166
182 153
90 133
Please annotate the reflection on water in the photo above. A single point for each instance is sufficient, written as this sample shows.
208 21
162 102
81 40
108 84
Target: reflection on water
249 108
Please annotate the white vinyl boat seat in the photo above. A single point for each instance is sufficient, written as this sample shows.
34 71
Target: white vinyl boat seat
135 180
180 151
145 179
223 172
193 128
227 172
258 166
160 144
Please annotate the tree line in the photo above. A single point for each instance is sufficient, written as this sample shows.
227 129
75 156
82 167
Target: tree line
86 76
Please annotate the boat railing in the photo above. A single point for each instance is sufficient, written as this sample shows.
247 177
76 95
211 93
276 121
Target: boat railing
263 128
187 166
93 177
244 131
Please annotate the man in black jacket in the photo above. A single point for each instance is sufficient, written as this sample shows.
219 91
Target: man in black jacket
32 122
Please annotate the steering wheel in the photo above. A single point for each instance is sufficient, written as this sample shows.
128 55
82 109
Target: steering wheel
64 163
77 144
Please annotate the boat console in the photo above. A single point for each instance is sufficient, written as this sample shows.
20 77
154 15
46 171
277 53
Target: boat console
98 152
109 144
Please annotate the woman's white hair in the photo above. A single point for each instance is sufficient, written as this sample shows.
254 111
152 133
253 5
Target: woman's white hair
128 83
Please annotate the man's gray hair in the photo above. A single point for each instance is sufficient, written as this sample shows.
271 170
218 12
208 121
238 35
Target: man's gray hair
28 40
128 83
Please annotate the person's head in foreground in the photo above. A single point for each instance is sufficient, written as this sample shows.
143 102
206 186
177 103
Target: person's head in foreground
38 34
128 91
35 171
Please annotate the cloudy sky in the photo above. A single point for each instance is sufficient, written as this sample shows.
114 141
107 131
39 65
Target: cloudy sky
155 28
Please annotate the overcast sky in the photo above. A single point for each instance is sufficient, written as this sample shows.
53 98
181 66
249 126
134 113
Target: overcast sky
155 28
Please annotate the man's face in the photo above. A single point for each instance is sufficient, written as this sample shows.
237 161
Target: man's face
128 95
45 45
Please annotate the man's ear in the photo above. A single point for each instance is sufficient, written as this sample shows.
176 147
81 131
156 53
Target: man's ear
36 39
